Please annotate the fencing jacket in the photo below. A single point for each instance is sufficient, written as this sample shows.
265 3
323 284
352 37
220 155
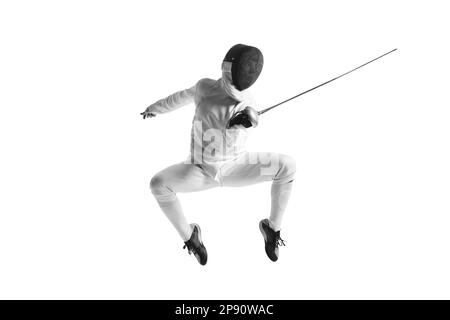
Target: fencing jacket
216 102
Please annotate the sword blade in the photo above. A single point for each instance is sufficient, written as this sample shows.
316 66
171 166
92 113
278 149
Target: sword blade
322 84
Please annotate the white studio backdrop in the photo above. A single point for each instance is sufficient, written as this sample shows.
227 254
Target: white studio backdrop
369 214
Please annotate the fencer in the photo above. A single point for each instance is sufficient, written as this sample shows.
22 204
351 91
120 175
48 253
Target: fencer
224 116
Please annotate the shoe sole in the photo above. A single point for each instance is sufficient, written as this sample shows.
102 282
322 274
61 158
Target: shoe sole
265 237
199 238
199 232
262 231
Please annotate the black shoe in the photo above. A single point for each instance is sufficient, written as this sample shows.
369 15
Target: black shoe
272 239
195 245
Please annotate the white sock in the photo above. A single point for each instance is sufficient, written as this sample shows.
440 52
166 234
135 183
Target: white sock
173 211
280 194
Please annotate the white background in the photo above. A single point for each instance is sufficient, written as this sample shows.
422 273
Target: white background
369 214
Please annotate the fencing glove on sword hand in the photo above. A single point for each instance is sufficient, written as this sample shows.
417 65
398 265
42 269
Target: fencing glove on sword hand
247 118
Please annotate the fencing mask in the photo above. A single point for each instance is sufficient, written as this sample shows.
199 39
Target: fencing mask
246 65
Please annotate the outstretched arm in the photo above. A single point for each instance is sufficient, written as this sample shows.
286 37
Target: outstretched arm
172 102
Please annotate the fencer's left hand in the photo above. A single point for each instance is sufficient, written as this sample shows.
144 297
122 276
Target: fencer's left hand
246 118
148 114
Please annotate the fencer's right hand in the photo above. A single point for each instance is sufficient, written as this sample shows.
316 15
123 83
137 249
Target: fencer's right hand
246 118
148 114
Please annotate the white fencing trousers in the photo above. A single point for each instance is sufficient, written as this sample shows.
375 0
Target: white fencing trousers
249 168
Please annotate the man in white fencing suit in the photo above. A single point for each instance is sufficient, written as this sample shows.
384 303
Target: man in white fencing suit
223 118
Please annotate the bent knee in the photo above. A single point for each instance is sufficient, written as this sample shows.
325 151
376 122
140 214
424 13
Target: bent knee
287 169
158 185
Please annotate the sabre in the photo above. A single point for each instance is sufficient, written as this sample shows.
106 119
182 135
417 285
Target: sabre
322 84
